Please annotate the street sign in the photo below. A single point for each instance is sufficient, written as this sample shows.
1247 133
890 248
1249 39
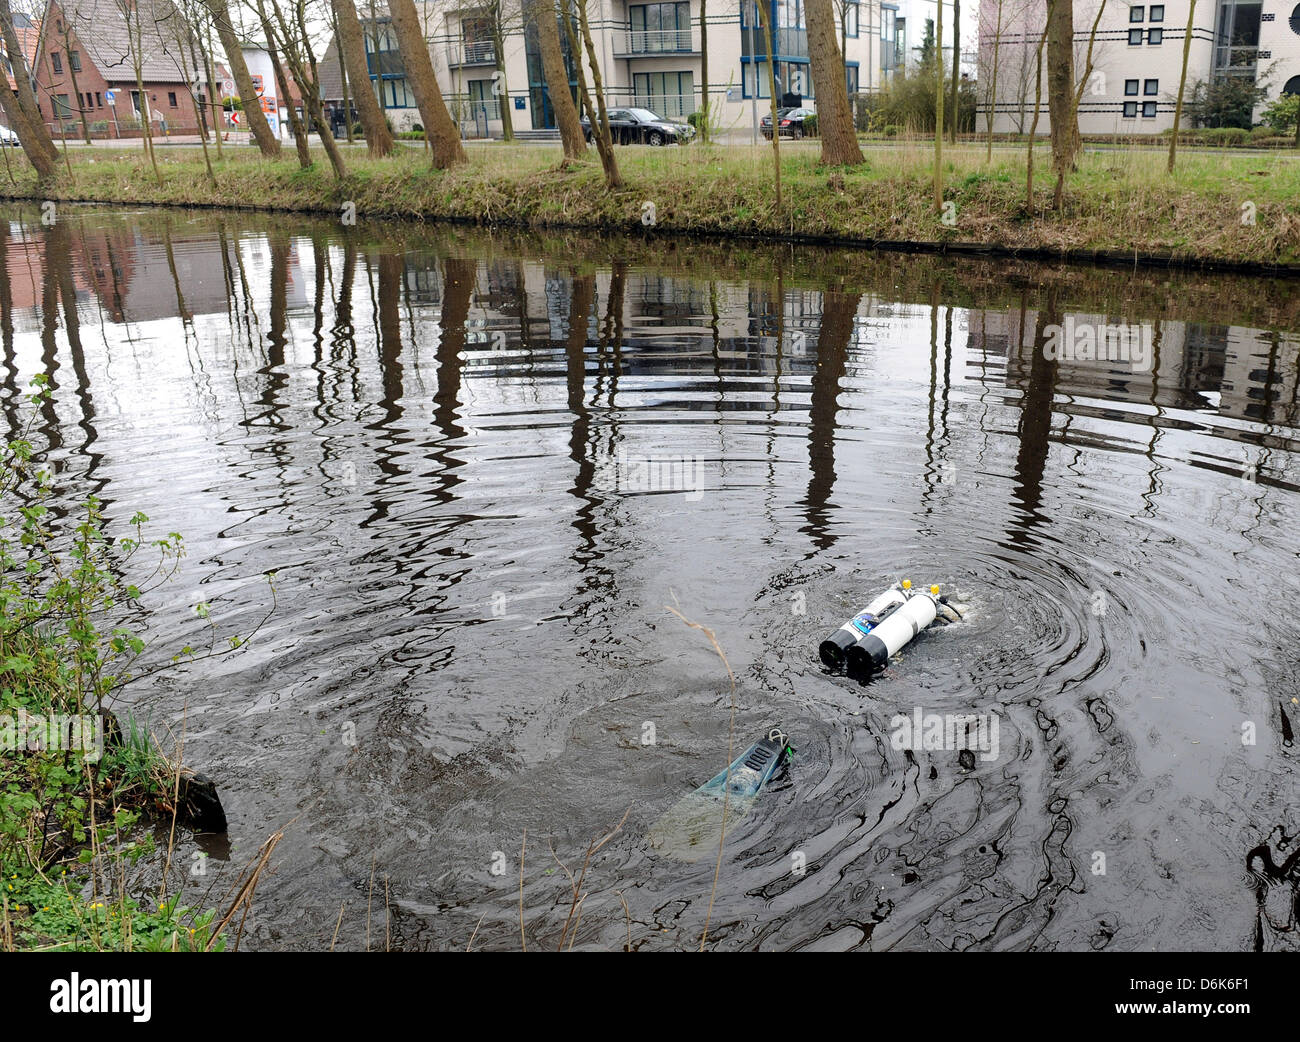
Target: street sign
227 87
268 105
236 119
110 96
257 85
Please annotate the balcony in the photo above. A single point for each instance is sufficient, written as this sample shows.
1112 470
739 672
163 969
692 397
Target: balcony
790 43
651 43
472 52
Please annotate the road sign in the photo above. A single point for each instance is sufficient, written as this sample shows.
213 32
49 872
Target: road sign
268 104
236 119
257 85
110 96
227 87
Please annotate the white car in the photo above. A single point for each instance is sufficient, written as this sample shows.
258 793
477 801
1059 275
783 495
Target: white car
8 137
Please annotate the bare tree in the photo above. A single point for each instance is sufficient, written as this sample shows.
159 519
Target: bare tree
543 15
956 68
177 44
352 47
765 18
834 117
343 73
21 110
1038 106
1060 86
257 123
1076 98
992 72
938 105
1182 86
439 130
294 41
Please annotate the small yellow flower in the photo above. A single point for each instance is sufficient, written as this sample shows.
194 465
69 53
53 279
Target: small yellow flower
46 908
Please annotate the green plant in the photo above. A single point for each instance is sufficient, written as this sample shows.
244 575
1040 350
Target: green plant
66 648
1281 115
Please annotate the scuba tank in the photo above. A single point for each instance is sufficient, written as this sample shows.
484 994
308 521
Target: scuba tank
755 767
906 612
835 647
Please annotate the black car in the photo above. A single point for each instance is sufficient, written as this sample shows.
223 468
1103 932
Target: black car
795 123
641 126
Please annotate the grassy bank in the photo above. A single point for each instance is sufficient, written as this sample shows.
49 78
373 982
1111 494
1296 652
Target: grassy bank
1217 209
77 786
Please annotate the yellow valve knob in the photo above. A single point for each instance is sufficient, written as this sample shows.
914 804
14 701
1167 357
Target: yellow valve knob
907 584
935 589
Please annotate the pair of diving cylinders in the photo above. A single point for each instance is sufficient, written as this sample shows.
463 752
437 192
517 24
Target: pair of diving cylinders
864 644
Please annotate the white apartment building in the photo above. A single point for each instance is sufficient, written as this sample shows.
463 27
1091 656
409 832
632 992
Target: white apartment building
649 55
1137 58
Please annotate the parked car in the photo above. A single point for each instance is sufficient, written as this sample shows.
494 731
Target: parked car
795 123
641 126
8 137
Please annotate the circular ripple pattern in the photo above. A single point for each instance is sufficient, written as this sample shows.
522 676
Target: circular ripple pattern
484 471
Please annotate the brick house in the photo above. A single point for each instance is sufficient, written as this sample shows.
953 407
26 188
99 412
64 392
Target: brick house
88 50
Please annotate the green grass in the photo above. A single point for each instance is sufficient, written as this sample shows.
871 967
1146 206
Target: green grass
1115 203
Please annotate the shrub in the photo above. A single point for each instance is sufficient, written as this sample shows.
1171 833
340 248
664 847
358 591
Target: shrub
1280 116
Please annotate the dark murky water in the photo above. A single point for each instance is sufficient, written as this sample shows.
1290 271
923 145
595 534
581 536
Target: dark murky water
441 444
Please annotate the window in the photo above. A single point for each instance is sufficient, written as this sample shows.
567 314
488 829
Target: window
1136 14
1151 88
751 71
1148 109
851 19
1157 12
171 98
1135 37
749 15
1155 36
99 100
56 62
1130 110
1294 20
74 61
62 110
659 28
851 77
1130 88
670 94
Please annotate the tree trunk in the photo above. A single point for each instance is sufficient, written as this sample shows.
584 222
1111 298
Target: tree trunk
574 142
439 130
834 117
607 159
1060 85
765 19
956 69
500 89
993 90
45 163
1038 108
938 106
76 87
38 144
352 47
343 76
706 129
1182 86
282 85
257 123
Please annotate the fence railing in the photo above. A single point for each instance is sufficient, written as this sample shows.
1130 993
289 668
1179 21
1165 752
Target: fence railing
655 41
473 52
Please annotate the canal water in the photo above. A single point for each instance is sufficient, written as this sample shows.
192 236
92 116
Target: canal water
464 478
